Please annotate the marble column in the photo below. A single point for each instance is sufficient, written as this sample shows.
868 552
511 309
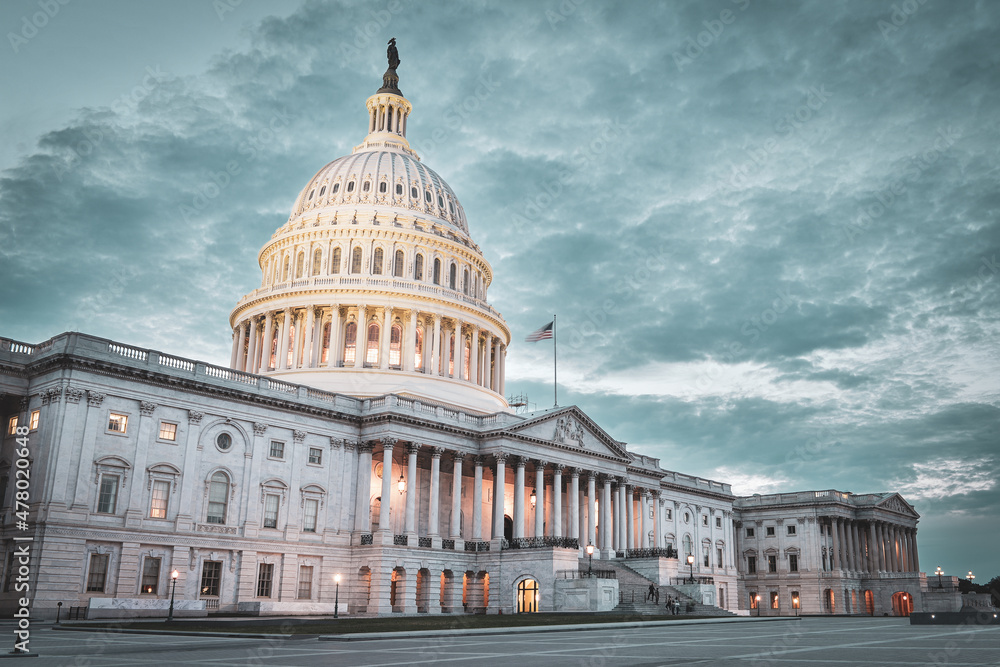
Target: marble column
606 519
835 553
477 500
455 532
644 508
474 356
411 489
573 503
435 359
445 353
629 518
498 495
309 360
658 527
362 508
557 530
384 512
361 339
238 359
296 337
281 349
503 370
265 363
916 553
487 362
519 497
252 364
435 493
383 352
540 499
409 347
591 509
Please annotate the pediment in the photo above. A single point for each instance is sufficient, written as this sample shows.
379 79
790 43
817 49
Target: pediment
895 503
570 428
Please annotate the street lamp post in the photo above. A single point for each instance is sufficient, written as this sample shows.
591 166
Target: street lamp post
971 578
173 590
336 596
939 572
590 557
756 599
691 566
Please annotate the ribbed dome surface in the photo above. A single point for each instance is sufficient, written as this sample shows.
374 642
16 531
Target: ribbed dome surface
382 177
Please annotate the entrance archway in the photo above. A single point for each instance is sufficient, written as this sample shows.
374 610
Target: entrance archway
508 528
528 596
902 604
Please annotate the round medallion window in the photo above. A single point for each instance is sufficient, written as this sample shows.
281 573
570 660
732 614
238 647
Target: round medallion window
224 441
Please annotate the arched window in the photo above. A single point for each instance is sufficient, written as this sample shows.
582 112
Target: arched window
395 345
427 196
356 260
688 547
418 267
440 202
350 343
291 339
350 186
418 350
284 271
397 268
399 188
465 281
335 261
371 354
218 498
273 361
414 193
311 193
317 260
377 262
322 191
452 276
382 187
527 596
300 262
325 354
336 188
437 271
451 356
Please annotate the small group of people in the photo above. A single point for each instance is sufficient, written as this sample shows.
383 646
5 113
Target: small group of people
673 604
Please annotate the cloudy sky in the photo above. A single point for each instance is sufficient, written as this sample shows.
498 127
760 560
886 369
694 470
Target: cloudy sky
770 232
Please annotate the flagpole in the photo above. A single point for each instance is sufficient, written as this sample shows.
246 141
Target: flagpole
555 363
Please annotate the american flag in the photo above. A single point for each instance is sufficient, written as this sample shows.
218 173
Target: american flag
542 334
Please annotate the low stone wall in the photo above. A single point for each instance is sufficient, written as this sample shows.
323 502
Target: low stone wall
265 608
586 594
143 608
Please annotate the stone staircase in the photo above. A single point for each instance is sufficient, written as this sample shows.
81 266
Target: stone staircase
632 590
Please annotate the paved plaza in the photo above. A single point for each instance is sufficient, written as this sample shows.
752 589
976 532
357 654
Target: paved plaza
809 641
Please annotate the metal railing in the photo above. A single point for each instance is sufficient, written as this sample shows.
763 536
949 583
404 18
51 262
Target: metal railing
542 543
477 546
586 574
367 538
668 552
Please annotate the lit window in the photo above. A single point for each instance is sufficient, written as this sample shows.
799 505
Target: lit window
325 355
33 420
284 272
467 359
117 423
300 264
265 575
451 356
310 510
774 599
160 497
305 582
315 455
753 599
218 498
211 577
277 449
271 510
395 344
418 350
150 576
98 573
168 431
371 354
350 342
12 425
107 497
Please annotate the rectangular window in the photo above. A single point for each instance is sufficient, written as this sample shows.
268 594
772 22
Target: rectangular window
795 600
704 556
704 520
305 582
310 510
277 450
772 563
271 510
12 425
670 515
769 531
33 422
791 530
753 599
718 553
117 423
751 565
315 455
107 499
774 599
168 431
265 575
98 573
793 562
158 502
749 532
718 522
150 576
211 576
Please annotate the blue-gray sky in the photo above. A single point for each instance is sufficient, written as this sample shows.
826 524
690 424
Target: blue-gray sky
770 230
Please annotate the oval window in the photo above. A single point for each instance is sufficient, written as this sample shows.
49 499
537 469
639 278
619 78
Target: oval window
322 191
367 186
350 186
336 188
440 202
311 193
399 188
413 193
427 196
382 187
224 441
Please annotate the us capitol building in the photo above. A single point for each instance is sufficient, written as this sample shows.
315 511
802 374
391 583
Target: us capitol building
359 451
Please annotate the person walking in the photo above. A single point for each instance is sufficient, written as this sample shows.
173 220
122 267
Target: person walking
670 604
650 593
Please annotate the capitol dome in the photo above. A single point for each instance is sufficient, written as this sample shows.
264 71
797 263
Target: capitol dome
373 286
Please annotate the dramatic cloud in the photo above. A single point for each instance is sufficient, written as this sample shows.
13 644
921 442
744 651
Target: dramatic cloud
771 237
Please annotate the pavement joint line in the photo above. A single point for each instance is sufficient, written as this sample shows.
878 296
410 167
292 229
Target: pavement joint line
531 629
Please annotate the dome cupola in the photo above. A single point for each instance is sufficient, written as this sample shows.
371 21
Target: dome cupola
373 286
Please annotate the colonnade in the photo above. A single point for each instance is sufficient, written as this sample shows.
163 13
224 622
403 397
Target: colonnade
562 508
871 546
321 336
